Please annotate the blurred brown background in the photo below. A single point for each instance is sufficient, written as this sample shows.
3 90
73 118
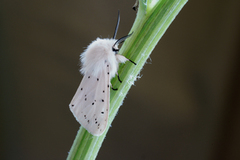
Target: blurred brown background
186 105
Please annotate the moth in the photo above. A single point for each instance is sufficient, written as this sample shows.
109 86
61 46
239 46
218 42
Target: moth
100 61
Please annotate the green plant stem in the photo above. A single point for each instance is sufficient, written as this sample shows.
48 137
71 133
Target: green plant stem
153 19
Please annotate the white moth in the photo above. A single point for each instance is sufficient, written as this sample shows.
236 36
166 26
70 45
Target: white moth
90 104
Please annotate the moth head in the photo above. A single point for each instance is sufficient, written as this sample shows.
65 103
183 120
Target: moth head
114 47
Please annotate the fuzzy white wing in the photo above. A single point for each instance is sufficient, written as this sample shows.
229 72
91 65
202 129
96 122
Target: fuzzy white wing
90 104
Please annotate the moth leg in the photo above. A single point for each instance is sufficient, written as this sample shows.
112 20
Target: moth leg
119 78
132 62
115 89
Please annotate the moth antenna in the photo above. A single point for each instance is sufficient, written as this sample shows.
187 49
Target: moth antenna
116 28
120 40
